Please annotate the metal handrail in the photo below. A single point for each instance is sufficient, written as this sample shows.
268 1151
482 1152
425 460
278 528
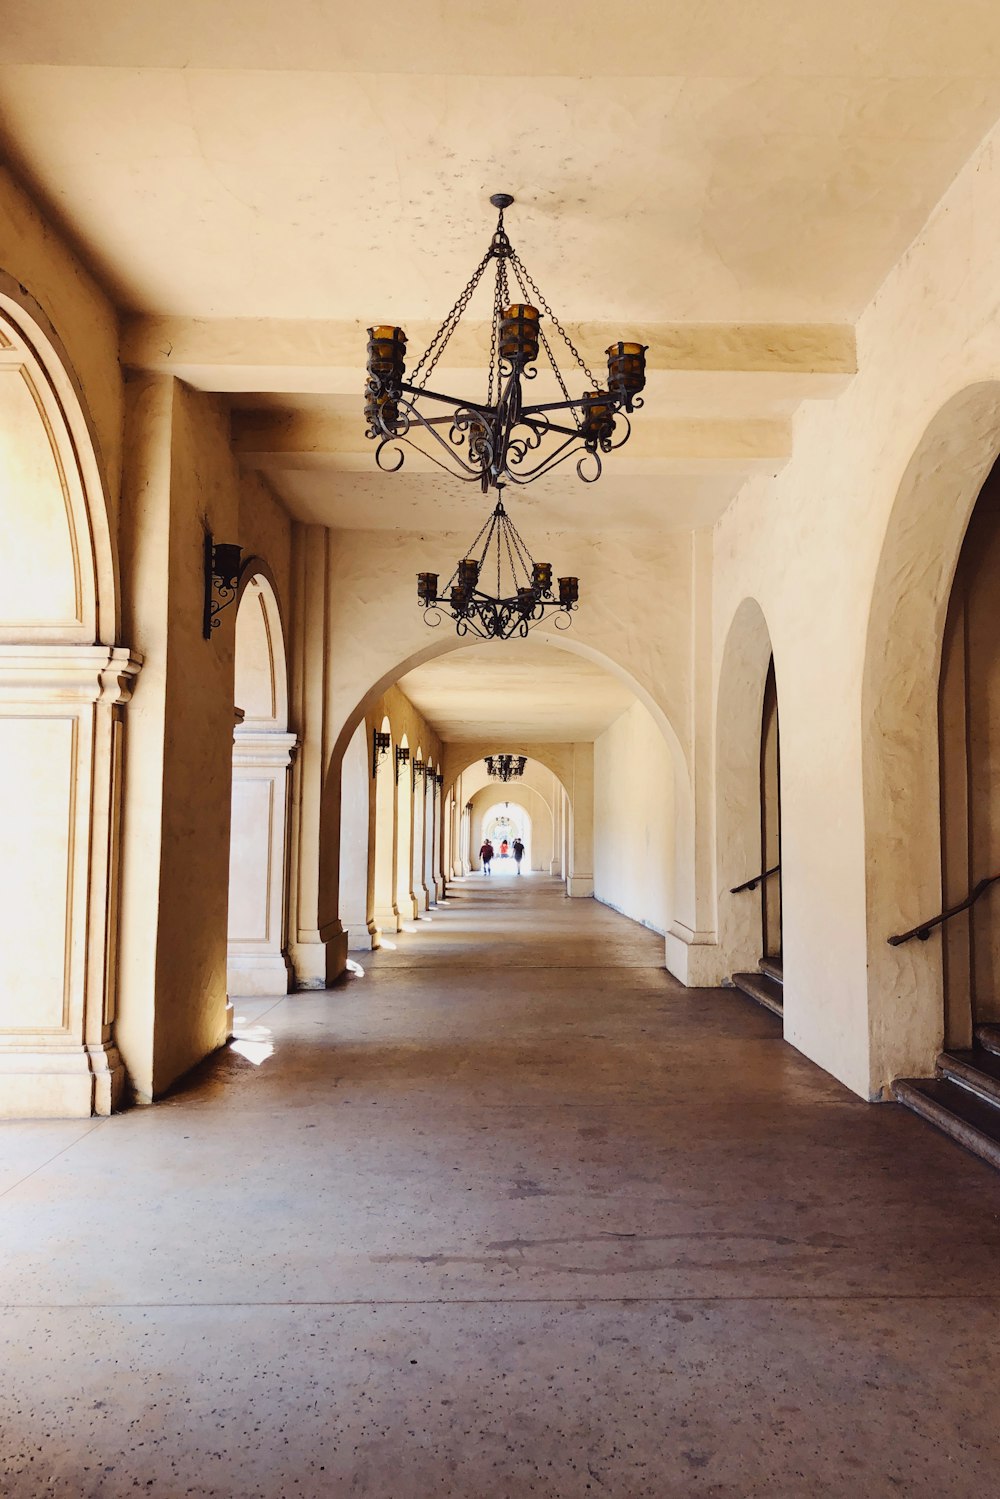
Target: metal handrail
765 874
923 931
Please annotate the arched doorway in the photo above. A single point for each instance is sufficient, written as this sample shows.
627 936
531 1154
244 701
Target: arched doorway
256 959
969 734
63 685
770 824
502 824
748 815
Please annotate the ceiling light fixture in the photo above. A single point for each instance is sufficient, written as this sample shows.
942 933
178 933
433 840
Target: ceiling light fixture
506 767
500 440
524 587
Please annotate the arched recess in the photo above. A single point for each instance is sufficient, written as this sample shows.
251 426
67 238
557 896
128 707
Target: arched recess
691 949
257 962
899 728
740 847
402 899
419 895
63 687
355 830
385 912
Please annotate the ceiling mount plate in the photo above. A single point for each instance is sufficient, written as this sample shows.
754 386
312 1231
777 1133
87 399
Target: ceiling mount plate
501 200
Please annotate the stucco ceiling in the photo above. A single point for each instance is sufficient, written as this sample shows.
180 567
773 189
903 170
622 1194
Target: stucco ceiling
524 691
255 183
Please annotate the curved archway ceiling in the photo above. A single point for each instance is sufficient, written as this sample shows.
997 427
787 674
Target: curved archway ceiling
729 183
529 693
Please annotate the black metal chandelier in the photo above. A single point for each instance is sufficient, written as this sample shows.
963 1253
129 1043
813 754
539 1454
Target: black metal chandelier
523 587
506 767
500 440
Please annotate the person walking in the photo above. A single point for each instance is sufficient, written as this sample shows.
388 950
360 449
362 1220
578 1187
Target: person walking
486 855
518 853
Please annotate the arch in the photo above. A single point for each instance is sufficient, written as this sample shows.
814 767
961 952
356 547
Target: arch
402 899
746 659
385 912
63 687
58 573
519 824
899 726
685 938
256 961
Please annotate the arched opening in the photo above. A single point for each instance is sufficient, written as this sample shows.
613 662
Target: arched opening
418 830
402 898
770 823
63 685
901 745
385 910
504 824
748 803
256 962
355 832
969 733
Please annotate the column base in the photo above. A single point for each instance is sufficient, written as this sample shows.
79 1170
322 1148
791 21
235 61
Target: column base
257 975
359 937
580 885
50 1084
694 957
316 965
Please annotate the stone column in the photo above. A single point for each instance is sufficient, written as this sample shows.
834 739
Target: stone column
317 947
61 752
580 879
256 963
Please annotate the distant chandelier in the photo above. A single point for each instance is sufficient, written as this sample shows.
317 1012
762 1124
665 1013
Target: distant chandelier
500 440
523 587
506 767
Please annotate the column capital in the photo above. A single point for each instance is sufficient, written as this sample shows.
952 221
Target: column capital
67 673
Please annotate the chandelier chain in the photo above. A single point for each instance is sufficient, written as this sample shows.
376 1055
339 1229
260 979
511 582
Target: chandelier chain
439 342
520 269
546 345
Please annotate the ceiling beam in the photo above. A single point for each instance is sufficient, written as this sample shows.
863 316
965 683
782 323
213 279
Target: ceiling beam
290 355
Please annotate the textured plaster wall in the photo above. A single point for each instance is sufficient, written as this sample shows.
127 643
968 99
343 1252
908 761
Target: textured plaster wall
181 478
634 820
856 667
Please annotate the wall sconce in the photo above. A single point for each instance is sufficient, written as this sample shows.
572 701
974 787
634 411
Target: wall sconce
418 769
439 778
381 744
224 569
402 756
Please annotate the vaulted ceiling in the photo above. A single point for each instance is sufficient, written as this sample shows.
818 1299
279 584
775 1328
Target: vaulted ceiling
728 181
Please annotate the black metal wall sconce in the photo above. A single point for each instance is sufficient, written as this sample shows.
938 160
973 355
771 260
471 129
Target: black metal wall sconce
381 745
402 756
419 769
225 567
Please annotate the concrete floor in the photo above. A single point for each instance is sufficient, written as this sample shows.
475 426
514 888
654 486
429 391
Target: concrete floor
511 1214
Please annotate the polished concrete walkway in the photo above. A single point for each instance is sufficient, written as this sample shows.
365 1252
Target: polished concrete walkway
510 1214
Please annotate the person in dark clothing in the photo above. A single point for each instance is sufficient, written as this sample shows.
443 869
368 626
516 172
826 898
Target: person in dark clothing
518 853
486 854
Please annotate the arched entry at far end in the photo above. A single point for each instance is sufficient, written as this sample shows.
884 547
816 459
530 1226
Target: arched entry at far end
257 963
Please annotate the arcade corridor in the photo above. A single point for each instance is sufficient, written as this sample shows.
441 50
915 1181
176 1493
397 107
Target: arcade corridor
511 1212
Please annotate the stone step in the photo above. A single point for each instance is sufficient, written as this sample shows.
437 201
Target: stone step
772 967
957 1112
761 988
988 1036
977 1070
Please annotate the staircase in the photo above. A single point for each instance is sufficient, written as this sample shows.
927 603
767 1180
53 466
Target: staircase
963 1098
766 987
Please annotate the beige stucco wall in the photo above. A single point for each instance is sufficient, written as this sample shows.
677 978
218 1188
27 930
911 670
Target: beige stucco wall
807 546
634 820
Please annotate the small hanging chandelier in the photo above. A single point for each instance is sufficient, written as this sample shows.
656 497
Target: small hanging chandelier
524 587
500 440
506 767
